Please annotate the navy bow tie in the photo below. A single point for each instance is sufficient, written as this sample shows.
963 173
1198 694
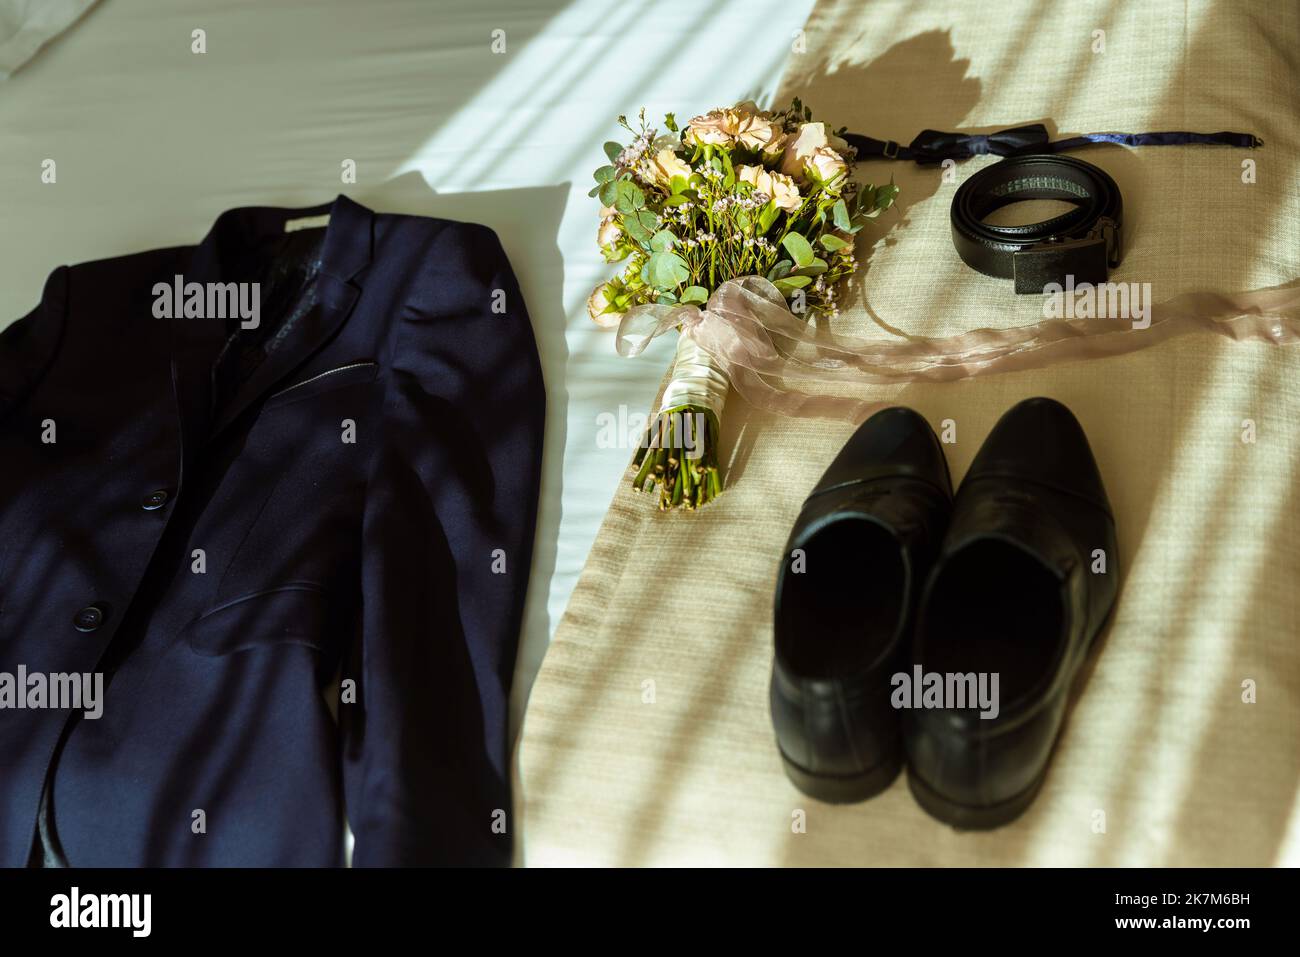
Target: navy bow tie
933 146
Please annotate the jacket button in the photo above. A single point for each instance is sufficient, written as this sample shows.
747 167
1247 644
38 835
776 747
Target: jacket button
154 500
89 618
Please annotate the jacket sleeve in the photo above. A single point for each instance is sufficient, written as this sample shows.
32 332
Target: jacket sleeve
451 504
28 346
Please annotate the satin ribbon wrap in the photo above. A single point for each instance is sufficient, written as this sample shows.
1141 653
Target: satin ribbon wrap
697 379
753 338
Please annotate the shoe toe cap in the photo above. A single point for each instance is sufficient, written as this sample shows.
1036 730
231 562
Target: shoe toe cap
895 442
1040 440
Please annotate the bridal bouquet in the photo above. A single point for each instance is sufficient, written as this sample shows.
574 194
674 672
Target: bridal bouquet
738 193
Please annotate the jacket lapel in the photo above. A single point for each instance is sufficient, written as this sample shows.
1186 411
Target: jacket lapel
346 251
310 330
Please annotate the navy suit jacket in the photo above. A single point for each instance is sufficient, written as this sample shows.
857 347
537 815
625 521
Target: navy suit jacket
298 554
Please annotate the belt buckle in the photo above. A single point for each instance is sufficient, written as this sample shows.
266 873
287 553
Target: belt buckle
1085 258
1110 231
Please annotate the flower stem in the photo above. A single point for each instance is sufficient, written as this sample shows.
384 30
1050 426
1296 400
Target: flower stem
680 459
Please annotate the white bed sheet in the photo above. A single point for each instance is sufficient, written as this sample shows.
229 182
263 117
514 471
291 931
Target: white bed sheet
151 141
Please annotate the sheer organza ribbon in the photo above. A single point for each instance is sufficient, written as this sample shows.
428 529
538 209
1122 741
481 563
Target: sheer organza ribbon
747 328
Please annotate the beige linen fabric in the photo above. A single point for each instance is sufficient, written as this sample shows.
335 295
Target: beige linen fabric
647 738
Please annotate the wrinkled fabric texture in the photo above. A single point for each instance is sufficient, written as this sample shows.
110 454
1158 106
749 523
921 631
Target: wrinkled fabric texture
351 494
27 25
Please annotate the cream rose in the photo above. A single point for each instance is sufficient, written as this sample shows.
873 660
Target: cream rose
756 131
800 150
710 129
743 123
761 136
665 165
598 302
610 232
781 189
828 164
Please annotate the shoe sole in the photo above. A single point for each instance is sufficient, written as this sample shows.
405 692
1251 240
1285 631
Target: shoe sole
848 789
966 817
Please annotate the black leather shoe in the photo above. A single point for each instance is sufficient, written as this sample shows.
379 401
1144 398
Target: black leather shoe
1025 580
845 594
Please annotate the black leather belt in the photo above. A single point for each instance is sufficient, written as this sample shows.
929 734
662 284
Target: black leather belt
1082 243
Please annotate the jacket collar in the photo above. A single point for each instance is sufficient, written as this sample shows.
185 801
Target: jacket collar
347 249
223 256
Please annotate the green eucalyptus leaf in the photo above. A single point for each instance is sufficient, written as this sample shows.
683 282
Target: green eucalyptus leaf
789 284
780 270
662 240
814 268
624 200
608 194
798 249
612 150
695 295
648 219
676 199
831 242
666 270
595 189
634 229
605 173
767 217
841 214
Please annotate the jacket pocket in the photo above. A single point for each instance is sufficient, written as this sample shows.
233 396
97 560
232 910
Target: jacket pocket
293 614
327 381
